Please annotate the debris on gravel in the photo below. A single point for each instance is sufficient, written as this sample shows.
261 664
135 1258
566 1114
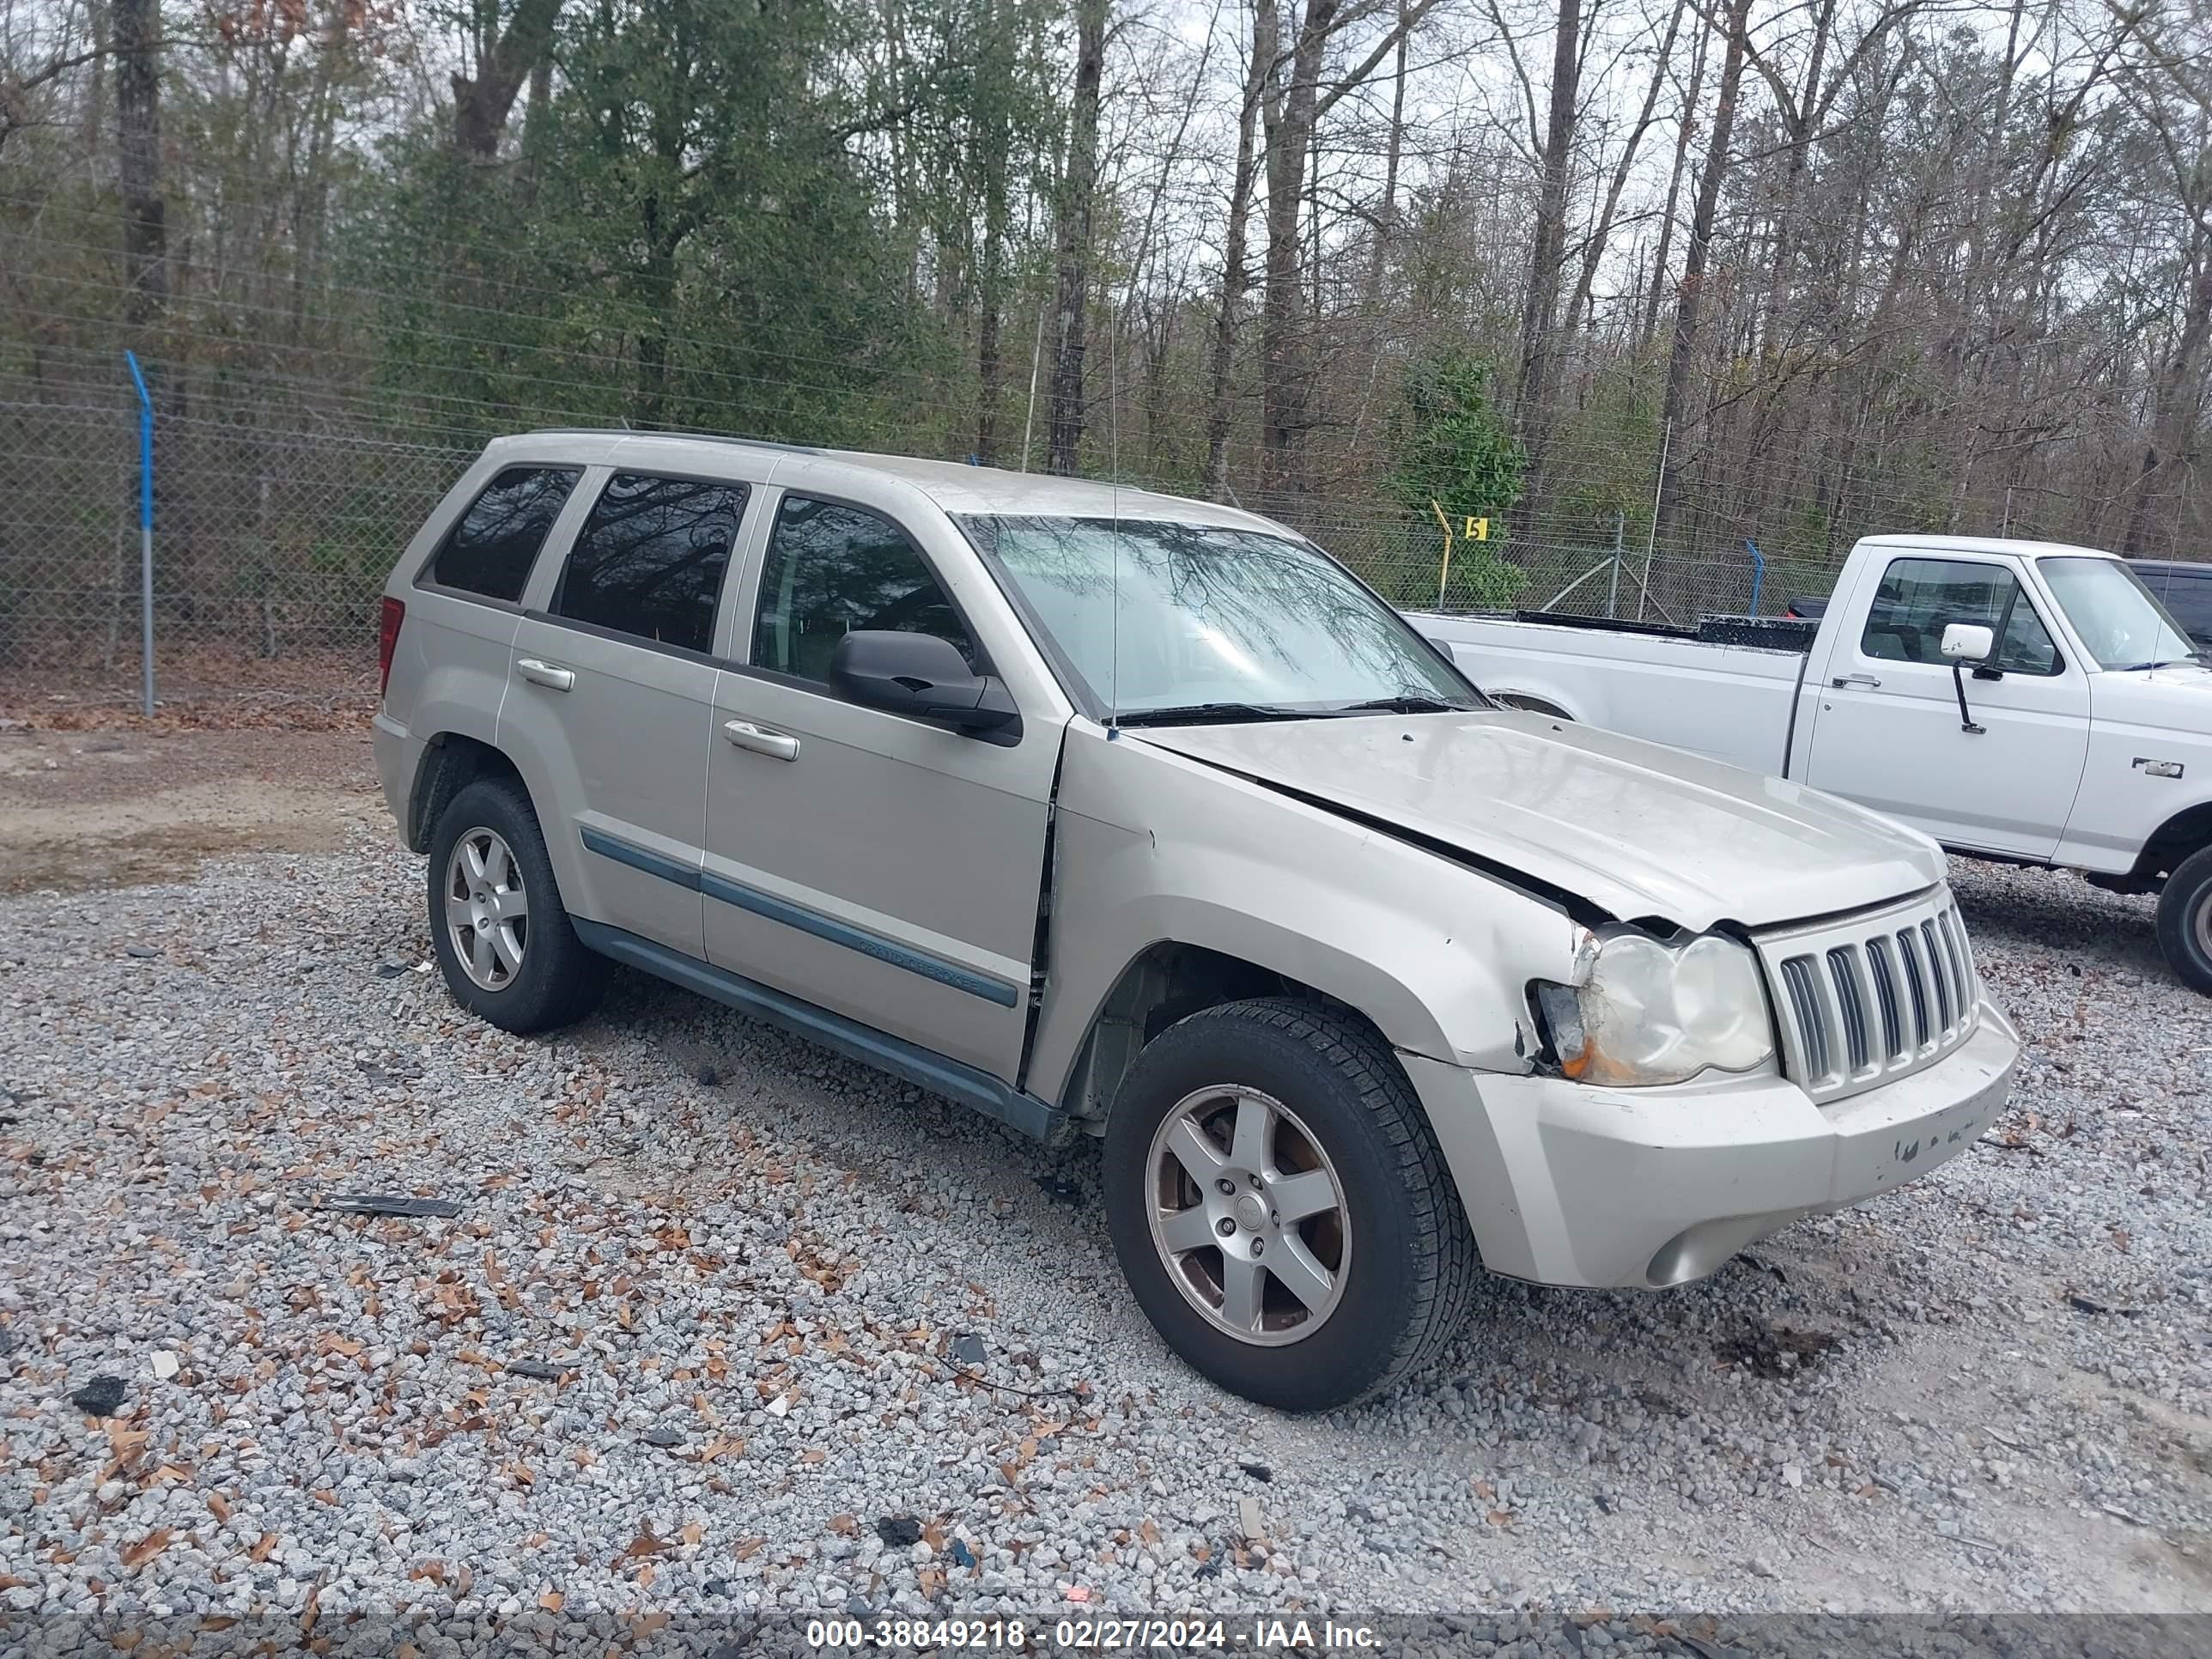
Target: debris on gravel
705 1344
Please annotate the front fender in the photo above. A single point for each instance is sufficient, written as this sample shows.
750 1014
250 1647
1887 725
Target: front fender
1153 847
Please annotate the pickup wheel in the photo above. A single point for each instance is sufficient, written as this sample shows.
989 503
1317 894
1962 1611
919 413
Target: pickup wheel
1280 1208
2185 920
505 946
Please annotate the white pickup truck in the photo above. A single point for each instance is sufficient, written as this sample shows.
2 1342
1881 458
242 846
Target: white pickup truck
2018 701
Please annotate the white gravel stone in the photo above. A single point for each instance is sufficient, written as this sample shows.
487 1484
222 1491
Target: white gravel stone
774 1266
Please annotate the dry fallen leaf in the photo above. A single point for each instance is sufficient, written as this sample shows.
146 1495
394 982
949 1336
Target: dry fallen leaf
147 1548
263 1548
692 1533
552 1600
747 1548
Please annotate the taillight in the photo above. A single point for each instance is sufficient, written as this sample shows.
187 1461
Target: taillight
388 641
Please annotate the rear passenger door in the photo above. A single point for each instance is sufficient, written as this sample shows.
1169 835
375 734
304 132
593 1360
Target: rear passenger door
609 699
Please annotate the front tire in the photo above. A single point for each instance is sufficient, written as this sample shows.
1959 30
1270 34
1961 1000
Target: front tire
505 946
1280 1209
2185 920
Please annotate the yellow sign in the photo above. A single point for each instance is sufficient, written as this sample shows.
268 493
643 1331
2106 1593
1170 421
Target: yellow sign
1477 529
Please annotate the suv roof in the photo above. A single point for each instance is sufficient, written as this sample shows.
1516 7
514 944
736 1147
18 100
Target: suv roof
953 486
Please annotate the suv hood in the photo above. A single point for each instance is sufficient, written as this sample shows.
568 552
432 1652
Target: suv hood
1637 829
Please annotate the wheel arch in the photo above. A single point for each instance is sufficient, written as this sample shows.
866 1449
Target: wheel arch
1166 982
451 762
2185 832
1530 703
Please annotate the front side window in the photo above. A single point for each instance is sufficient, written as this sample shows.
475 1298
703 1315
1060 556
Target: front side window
1918 598
650 560
1155 616
833 569
2118 622
491 550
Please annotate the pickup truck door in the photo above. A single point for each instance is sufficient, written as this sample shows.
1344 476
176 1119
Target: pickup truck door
1886 732
881 867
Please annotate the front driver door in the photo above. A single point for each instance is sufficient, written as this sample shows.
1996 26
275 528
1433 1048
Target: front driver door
1886 732
881 867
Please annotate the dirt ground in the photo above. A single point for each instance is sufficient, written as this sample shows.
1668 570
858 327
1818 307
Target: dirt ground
119 806
242 754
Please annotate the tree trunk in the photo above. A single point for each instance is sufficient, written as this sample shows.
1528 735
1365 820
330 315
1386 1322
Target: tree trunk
504 61
1266 41
1077 199
1286 369
137 25
1540 311
2174 401
1702 216
1682 132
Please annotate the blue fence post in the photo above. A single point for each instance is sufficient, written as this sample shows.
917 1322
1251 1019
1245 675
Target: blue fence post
1757 571
145 536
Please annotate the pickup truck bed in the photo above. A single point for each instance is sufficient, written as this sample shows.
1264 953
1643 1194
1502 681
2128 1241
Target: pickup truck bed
1724 688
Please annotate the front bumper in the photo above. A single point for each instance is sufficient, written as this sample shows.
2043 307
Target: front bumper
1570 1185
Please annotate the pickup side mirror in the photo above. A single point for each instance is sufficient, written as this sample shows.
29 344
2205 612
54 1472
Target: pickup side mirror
1968 642
1965 642
924 677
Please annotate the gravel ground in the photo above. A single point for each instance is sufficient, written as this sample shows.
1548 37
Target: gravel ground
725 1322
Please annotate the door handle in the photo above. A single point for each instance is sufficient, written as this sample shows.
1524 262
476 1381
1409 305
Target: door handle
1842 681
545 673
777 745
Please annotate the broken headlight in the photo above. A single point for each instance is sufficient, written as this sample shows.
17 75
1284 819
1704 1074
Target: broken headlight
1645 1011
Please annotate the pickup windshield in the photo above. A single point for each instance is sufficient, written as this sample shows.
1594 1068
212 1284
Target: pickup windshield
2119 622
1191 622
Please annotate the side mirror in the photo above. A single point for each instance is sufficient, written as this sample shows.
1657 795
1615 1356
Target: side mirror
1968 642
924 677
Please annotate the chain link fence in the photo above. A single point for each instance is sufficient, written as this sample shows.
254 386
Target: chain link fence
276 524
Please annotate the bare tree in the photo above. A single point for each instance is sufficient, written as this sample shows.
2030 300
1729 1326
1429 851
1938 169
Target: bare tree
1079 193
137 29
1690 305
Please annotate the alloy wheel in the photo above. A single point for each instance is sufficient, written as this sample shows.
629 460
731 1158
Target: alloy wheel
486 912
1248 1215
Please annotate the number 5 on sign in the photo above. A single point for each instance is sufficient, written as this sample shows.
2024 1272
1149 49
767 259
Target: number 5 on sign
1477 529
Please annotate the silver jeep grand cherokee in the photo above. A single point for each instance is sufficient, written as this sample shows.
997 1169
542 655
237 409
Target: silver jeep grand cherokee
1110 813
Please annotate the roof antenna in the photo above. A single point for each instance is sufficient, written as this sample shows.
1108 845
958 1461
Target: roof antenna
1113 462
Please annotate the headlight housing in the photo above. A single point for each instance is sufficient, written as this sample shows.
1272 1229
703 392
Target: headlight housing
1646 1012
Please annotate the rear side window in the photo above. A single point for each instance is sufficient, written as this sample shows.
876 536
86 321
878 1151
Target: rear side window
650 560
491 550
1920 598
2188 595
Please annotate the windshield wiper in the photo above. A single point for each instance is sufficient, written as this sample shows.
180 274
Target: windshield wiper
1407 706
1212 714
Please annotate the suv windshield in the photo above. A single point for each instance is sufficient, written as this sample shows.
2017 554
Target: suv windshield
1161 620
2119 623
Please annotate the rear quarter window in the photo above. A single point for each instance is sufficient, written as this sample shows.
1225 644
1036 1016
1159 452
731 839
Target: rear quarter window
489 551
2189 596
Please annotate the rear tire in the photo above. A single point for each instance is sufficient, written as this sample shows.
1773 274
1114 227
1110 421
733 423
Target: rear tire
1322 1186
507 948
2185 920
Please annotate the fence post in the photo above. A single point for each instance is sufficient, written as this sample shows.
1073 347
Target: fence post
145 536
1613 587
